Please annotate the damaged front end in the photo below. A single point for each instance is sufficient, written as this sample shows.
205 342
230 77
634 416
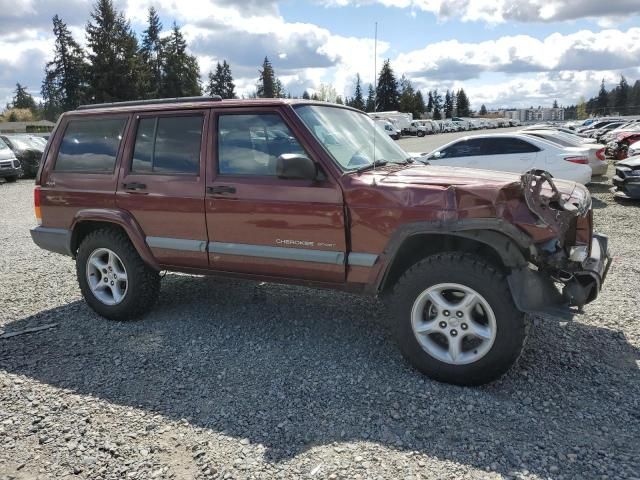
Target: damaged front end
569 268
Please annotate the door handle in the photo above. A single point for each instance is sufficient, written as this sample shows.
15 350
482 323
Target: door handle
221 189
134 186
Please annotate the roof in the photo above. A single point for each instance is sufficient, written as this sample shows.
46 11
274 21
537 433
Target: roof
194 103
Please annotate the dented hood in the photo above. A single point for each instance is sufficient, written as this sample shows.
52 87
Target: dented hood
459 176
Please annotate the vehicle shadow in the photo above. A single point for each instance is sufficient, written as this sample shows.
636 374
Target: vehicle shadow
290 367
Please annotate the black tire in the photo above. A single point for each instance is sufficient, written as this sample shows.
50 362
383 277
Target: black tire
143 284
420 133
476 273
11 179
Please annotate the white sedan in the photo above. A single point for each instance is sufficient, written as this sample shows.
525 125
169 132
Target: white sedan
513 152
595 151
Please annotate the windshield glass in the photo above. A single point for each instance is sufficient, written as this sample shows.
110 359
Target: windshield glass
349 136
3 145
24 143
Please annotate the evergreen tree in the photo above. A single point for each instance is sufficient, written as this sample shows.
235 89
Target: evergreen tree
181 71
464 108
430 102
448 105
339 100
151 56
306 96
370 105
115 67
581 109
358 100
229 90
555 104
267 82
437 105
23 99
407 95
387 97
622 96
418 105
221 83
635 98
483 110
65 83
602 100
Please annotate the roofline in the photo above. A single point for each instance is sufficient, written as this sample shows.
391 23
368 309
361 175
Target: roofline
196 102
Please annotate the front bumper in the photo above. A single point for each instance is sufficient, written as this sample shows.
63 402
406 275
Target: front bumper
625 186
536 292
10 172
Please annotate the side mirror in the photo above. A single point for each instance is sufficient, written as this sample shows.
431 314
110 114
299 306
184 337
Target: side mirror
435 156
293 166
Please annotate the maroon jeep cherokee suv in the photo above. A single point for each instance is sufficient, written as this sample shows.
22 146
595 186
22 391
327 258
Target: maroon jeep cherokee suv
314 194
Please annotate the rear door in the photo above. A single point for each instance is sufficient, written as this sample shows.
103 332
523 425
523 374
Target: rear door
509 154
259 223
162 184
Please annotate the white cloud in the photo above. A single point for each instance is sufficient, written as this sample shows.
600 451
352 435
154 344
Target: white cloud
583 50
305 54
499 11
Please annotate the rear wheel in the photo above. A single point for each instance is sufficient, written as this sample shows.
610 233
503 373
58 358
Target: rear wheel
454 319
420 133
114 280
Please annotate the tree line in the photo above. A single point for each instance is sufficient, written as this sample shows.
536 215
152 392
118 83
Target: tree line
392 94
119 66
622 99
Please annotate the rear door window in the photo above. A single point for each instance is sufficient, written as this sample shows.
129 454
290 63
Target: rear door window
508 146
90 145
168 145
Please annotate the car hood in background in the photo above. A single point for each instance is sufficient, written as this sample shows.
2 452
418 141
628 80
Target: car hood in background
631 162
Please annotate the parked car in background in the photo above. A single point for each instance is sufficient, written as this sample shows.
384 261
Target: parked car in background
632 126
388 128
513 152
401 121
618 148
10 167
597 159
420 128
634 149
26 149
627 178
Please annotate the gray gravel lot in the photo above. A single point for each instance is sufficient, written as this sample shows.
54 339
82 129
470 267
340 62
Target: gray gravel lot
430 142
234 379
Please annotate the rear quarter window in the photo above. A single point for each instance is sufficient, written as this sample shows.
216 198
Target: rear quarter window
90 145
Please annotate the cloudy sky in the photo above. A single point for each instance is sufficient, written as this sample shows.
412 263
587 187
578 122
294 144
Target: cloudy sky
503 52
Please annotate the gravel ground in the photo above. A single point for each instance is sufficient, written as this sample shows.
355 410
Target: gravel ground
233 379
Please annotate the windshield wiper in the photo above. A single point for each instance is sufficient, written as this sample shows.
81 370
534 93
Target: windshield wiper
377 163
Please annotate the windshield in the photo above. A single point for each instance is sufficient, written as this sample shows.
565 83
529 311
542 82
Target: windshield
24 143
349 137
3 145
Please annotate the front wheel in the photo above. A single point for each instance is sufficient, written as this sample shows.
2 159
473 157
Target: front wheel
420 134
11 179
114 280
455 320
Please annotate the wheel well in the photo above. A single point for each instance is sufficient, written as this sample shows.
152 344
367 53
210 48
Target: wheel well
419 246
84 228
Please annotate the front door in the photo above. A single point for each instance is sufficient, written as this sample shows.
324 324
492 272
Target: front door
264 225
162 184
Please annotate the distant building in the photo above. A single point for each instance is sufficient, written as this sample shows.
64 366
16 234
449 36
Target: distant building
536 114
